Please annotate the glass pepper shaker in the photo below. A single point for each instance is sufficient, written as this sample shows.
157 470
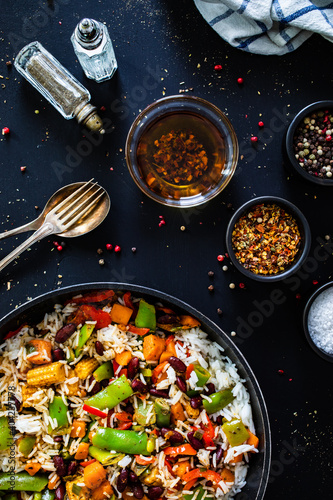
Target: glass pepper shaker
57 85
94 50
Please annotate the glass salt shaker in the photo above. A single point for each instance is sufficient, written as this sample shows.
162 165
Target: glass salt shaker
94 50
57 85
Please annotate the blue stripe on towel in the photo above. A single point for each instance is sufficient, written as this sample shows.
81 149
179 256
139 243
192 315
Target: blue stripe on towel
246 43
243 6
262 26
217 19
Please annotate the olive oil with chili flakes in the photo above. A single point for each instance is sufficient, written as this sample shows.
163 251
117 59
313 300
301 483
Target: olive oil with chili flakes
181 155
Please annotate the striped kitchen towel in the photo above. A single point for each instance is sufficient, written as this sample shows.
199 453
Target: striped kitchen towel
268 26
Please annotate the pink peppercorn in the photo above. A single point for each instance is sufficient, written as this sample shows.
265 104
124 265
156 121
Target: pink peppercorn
240 81
161 223
109 246
280 372
254 139
328 138
117 248
59 248
220 258
217 67
5 131
261 124
241 285
315 282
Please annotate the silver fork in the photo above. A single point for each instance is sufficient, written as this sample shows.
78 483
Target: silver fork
62 217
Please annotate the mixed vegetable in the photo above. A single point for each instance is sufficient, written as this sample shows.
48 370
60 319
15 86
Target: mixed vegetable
145 414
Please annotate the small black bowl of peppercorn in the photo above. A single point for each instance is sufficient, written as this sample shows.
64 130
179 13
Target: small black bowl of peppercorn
268 239
309 143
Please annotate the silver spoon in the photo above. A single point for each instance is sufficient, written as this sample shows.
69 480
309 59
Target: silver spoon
74 210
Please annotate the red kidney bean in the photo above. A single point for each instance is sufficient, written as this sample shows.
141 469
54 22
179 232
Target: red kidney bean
105 382
175 437
129 408
60 492
108 419
219 420
133 478
159 393
209 484
196 443
64 333
138 491
167 319
99 347
122 480
195 402
58 439
72 468
219 454
58 354
97 387
210 389
16 402
181 383
132 368
60 466
154 492
139 386
177 364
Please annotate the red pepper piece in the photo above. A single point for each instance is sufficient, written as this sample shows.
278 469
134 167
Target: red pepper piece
92 297
94 411
124 426
88 462
14 332
138 331
102 317
115 367
189 370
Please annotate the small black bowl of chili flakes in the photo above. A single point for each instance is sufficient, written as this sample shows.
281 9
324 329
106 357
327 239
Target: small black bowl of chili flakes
309 143
268 238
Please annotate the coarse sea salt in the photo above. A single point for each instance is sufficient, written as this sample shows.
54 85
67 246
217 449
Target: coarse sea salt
320 321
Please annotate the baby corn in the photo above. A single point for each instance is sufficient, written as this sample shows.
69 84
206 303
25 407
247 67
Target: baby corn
85 367
46 375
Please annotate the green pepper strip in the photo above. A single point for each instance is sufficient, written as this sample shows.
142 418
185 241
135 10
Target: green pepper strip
129 442
105 457
26 445
141 413
236 432
5 435
84 335
22 481
162 410
112 395
202 374
58 410
219 401
146 317
198 496
104 371
48 494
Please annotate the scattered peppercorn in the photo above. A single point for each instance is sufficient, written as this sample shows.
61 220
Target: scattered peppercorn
220 258
133 249
117 248
161 223
241 285
102 108
261 124
109 246
5 131
219 311
23 169
211 274
327 237
313 146
268 247
59 248
182 228
315 282
232 286
218 67
254 138
233 334
9 64
298 296
99 251
240 81
101 262
280 372
211 288
225 268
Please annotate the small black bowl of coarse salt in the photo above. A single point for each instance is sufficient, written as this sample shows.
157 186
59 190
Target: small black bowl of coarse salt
309 143
318 321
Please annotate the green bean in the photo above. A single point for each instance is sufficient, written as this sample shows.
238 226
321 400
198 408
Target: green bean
112 395
22 481
5 435
84 335
104 371
218 401
129 442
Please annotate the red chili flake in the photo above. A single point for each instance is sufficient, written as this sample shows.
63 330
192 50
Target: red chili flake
161 223
220 258
59 248
102 108
218 67
328 138
241 285
254 138
117 248
280 372
240 81
161 216
315 282
298 296
55 243
227 255
290 380
5 131
109 246
261 124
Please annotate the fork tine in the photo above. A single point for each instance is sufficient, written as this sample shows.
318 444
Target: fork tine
75 207
75 201
83 212
70 197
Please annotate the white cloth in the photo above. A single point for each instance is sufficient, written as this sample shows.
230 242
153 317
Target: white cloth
268 26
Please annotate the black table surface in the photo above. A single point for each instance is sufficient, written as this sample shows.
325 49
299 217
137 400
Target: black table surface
163 47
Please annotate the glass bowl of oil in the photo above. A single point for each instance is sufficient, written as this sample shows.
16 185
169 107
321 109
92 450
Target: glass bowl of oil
181 151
